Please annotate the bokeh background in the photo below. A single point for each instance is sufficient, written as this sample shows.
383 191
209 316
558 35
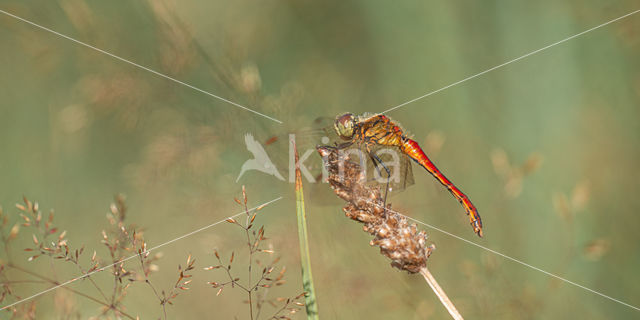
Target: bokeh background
547 147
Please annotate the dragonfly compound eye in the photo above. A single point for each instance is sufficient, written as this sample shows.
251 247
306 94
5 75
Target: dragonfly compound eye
344 126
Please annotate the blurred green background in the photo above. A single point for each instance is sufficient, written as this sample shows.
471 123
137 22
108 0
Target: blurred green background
547 148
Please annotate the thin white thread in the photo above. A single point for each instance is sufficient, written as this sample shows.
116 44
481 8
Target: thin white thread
509 62
510 258
140 66
133 256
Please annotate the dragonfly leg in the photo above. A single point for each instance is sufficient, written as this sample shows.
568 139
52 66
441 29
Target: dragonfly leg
344 145
337 146
375 158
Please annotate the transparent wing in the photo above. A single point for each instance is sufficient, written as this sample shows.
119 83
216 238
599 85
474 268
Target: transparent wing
306 137
400 175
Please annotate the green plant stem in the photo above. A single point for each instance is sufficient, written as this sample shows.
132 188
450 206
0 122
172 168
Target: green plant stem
307 278
246 230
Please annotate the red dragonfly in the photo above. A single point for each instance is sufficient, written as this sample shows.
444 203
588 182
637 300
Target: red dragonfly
371 132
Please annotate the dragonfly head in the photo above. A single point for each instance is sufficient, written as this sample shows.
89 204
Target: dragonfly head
345 126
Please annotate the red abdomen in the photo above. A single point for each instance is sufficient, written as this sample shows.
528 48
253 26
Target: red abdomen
413 150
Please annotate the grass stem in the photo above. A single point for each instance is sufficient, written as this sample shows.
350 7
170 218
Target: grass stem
440 293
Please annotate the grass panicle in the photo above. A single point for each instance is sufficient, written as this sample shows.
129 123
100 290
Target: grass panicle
256 288
397 239
50 242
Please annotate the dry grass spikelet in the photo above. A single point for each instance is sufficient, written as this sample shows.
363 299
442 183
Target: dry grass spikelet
397 239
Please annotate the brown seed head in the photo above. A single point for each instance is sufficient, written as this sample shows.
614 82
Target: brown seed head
397 239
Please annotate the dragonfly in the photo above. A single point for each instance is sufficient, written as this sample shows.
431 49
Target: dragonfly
322 132
370 132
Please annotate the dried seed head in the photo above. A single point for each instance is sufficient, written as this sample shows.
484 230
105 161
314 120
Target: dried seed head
397 239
